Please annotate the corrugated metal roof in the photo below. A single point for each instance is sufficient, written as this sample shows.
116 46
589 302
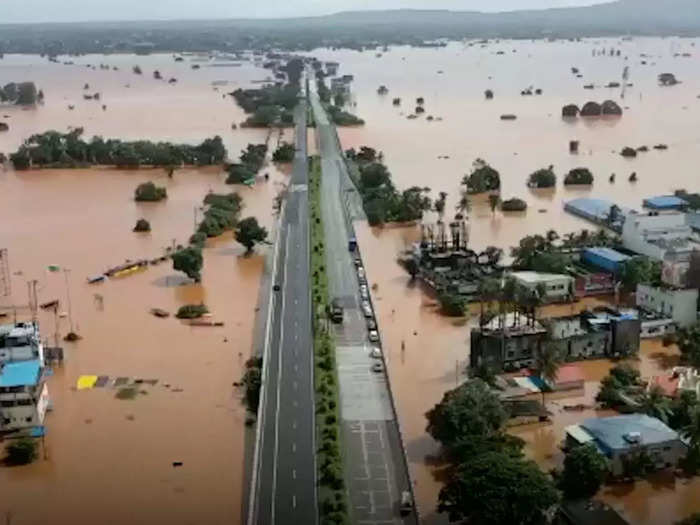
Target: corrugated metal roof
664 202
608 253
21 373
611 431
579 434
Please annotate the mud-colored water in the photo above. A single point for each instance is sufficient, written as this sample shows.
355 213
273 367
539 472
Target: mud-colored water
110 460
436 348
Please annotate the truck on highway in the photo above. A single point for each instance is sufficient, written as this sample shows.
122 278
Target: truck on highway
336 311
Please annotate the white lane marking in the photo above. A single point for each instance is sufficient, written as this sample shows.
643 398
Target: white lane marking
294 501
295 385
279 383
294 447
296 368
295 403
294 473
294 425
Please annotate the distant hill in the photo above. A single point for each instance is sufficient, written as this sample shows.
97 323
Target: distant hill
357 29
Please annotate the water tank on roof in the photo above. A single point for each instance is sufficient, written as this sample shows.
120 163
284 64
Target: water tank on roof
633 437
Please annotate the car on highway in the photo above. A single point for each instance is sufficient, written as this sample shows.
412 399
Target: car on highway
373 336
364 292
361 274
367 310
406 506
377 367
371 324
358 261
376 353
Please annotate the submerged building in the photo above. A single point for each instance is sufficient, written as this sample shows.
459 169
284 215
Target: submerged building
513 344
24 395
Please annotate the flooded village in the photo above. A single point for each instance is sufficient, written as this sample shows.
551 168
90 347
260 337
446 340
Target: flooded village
143 420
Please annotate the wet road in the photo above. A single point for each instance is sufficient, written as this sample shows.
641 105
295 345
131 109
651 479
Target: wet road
375 468
286 480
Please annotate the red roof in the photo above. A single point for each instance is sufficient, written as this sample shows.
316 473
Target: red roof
569 374
668 384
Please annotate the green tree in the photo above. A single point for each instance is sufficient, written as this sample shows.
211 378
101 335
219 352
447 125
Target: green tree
688 341
654 403
639 270
543 178
691 432
249 233
149 192
547 363
495 489
21 451
482 178
585 470
284 153
494 201
189 261
693 519
439 204
681 409
191 311
579 176
142 225
470 411
452 305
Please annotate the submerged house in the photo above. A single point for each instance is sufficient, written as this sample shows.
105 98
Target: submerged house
24 396
622 439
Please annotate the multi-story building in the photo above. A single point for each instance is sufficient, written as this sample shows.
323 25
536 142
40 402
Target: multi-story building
605 333
658 236
680 306
556 287
24 396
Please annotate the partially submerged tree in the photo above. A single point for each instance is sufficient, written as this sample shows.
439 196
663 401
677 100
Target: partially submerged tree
585 470
189 261
249 233
482 178
21 451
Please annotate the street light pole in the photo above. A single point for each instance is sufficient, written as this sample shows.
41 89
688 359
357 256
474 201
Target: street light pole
66 271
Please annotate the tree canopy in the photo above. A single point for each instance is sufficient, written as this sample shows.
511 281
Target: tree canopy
495 488
189 261
543 178
482 178
585 470
249 233
284 153
688 341
579 176
640 270
149 192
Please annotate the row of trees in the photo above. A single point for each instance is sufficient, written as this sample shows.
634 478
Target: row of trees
382 201
251 160
69 150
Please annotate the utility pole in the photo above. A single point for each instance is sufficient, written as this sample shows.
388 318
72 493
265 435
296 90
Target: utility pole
33 299
66 271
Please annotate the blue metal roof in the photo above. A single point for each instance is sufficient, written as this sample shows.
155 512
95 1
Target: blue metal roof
608 253
610 432
21 373
664 202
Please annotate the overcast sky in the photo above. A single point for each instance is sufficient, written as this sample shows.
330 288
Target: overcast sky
21 11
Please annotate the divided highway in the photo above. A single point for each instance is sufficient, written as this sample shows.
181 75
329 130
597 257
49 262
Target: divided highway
284 470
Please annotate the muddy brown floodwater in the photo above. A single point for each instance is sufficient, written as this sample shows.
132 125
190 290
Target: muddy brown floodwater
110 460
437 348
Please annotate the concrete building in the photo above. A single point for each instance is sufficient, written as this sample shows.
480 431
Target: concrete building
658 235
24 396
605 259
585 336
559 287
677 305
622 438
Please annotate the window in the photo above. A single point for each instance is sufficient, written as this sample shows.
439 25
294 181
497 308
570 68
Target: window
28 419
667 448
7 404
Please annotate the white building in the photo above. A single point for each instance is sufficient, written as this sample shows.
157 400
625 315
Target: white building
676 304
558 287
658 235
24 396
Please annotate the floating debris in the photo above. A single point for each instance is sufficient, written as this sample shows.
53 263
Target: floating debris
159 312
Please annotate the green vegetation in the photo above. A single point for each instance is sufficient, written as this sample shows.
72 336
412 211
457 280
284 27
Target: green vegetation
579 176
543 178
382 202
333 506
640 270
452 305
482 178
284 153
189 261
142 225
127 393
67 150
252 381
339 117
149 192
688 341
21 452
693 519
251 160
488 481
547 363
537 253
691 432
513 204
19 93
585 470
191 311
621 380
268 106
221 214
249 233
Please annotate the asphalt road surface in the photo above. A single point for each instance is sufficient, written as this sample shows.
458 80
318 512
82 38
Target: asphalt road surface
375 469
285 483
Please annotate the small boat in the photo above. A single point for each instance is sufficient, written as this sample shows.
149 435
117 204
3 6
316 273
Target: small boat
159 312
96 279
49 305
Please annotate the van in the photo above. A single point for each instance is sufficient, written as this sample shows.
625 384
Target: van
406 506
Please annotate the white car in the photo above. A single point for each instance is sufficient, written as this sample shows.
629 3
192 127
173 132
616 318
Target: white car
368 312
373 336
376 353
377 367
364 292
